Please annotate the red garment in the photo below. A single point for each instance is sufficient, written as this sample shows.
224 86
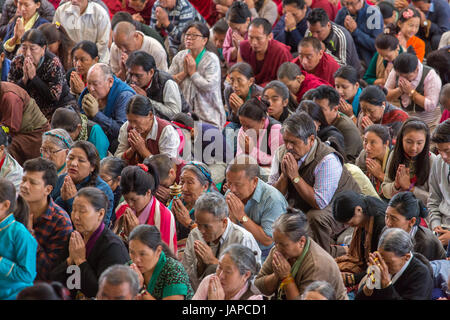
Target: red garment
326 5
55 3
445 115
325 69
310 82
266 70
145 14
207 8
113 6
162 218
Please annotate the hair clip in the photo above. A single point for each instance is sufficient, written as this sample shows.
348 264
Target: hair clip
143 167
5 129
58 24
408 13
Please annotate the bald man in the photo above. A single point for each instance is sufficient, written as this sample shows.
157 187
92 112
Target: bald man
127 40
105 100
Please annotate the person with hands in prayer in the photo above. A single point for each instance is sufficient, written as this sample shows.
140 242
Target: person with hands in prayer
138 185
403 274
161 275
252 203
311 174
214 234
233 279
84 55
296 261
195 180
93 247
40 73
83 165
198 74
104 101
144 134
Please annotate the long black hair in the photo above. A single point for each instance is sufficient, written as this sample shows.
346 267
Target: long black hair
93 158
345 203
18 206
422 160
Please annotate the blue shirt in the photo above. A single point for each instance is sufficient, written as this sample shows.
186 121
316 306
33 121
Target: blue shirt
291 38
439 14
18 252
67 204
264 207
99 140
370 25
355 102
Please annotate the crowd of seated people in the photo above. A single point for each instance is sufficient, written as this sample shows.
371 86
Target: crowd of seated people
225 149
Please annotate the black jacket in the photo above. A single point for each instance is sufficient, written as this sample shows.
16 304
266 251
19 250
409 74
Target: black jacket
107 251
416 283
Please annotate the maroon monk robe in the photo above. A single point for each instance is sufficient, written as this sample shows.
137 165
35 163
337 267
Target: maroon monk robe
266 70
310 82
325 69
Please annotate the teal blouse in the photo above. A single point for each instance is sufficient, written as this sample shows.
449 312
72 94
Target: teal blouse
169 279
18 253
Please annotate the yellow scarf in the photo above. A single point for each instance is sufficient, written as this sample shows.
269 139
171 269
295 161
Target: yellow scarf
27 26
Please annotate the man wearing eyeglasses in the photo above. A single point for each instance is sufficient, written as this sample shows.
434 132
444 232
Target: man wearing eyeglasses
364 23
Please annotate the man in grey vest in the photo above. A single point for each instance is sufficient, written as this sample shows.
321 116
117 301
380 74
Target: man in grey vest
159 86
310 173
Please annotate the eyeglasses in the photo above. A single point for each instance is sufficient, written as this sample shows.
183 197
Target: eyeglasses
48 151
192 36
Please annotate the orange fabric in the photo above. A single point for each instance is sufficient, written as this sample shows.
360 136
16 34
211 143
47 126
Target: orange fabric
418 45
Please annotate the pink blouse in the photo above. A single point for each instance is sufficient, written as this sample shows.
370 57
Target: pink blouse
261 150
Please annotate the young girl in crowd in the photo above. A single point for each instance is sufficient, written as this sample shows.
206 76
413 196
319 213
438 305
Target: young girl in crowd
409 165
408 24
347 84
19 248
373 158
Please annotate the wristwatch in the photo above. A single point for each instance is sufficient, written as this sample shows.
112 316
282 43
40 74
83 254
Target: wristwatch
243 220
296 180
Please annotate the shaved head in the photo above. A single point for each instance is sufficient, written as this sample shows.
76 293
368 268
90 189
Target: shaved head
125 28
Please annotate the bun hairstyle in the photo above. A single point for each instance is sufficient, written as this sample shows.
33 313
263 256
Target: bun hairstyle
139 179
255 109
409 206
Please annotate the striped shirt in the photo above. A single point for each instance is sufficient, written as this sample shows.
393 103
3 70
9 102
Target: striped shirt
327 172
180 16
340 45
